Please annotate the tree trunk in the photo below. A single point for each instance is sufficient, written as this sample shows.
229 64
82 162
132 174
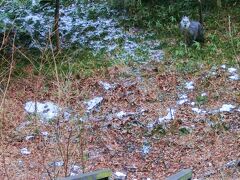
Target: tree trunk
56 25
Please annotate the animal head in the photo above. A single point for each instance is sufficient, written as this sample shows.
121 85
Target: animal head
185 22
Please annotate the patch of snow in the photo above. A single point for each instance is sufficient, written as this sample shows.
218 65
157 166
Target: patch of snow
146 148
75 170
35 2
232 164
30 137
57 164
67 115
204 94
106 85
226 108
25 151
121 114
182 99
232 70
198 111
77 26
189 85
234 77
168 117
150 126
44 133
46 110
192 103
120 174
91 104
223 66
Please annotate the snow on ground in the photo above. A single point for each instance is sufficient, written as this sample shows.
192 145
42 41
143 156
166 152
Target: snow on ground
189 85
84 24
46 110
93 103
168 117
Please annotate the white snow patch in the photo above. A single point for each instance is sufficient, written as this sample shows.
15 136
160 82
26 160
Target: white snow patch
46 111
182 99
106 85
168 117
25 151
193 103
223 66
93 103
30 137
120 174
75 170
197 110
146 148
232 70
44 133
121 114
189 85
204 94
234 77
226 108
57 163
150 126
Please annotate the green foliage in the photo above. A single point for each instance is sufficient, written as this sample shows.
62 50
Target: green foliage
184 130
200 99
158 131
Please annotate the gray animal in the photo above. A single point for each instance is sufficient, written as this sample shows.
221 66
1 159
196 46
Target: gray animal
192 30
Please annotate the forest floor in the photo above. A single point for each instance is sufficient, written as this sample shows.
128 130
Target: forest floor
149 124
